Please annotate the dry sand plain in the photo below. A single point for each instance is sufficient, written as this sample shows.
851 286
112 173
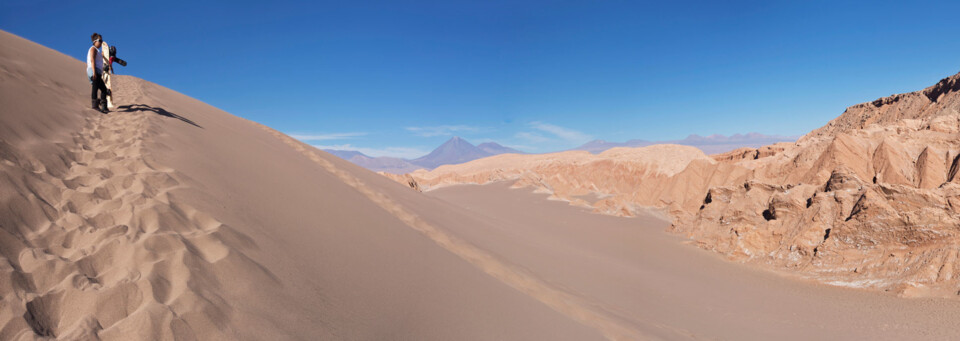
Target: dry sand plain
651 280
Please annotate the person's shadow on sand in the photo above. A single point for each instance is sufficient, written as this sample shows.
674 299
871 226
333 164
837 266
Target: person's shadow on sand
156 110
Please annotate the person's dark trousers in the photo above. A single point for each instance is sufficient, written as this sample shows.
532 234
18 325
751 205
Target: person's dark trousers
98 85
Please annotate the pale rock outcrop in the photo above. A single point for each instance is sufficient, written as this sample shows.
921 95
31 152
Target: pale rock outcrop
621 179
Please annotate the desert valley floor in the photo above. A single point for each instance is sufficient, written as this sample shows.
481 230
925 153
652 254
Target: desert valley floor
656 282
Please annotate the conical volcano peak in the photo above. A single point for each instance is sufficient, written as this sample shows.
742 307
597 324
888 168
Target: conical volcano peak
455 150
456 140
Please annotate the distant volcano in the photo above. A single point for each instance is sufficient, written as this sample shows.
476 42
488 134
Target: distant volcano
455 150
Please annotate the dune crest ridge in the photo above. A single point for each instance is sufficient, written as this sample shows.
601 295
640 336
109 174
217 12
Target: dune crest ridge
569 304
871 199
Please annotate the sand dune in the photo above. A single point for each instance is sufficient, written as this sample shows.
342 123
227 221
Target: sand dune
172 220
654 282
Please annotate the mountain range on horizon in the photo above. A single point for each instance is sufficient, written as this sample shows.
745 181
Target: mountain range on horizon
712 144
457 150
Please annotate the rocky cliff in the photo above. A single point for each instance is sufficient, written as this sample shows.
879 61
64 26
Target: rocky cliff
870 200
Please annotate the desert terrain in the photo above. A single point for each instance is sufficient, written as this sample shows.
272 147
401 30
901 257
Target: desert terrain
869 200
169 219
655 281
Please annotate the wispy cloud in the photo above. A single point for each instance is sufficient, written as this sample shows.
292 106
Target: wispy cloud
531 137
325 137
521 147
444 130
541 137
401 152
565 134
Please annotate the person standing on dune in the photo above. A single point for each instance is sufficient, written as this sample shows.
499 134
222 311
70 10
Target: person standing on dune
95 72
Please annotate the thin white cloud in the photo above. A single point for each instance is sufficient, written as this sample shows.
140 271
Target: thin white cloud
531 137
325 137
520 147
444 130
401 152
565 134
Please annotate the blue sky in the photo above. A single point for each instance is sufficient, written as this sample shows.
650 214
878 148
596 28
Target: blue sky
399 78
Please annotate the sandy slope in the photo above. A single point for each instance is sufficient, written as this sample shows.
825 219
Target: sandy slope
174 220
650 280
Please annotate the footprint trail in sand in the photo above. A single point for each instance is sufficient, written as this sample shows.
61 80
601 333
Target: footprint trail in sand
105 249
